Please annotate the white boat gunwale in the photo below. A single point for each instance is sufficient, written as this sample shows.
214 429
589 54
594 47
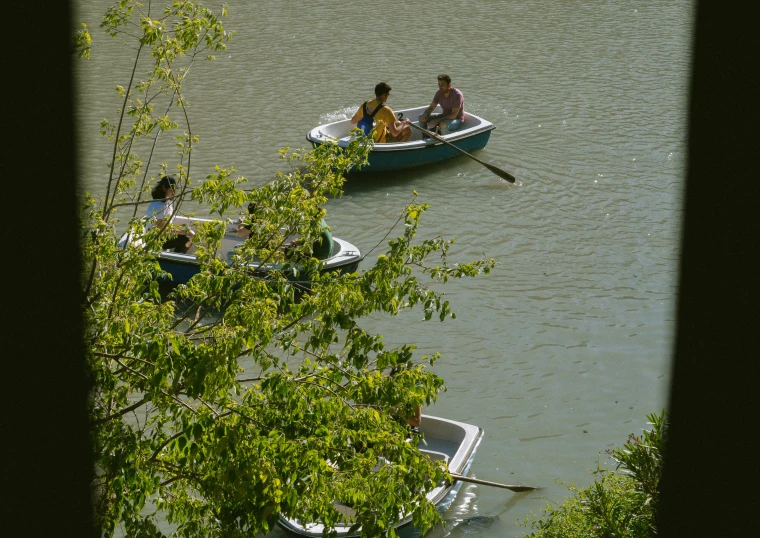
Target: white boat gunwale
473 125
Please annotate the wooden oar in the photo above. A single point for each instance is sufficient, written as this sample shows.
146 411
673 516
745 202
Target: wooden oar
463 478
496 170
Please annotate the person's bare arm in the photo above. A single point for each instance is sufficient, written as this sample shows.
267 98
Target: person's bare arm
416 420
242 231
160 223
397 126
357 116
452 115
429 110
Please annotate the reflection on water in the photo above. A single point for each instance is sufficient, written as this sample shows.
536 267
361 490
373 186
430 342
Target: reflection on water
464 518
564 348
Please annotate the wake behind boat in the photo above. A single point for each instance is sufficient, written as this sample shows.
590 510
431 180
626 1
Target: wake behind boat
448 440
472 136
344 257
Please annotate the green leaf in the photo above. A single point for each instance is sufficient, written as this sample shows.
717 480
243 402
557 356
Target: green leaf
174 344
218 403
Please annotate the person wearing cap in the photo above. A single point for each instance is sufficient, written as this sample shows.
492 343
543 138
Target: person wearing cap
452 103
162 209
387 128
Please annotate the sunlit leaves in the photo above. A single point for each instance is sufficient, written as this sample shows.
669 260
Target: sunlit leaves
83 42
245 393
641 457
622 503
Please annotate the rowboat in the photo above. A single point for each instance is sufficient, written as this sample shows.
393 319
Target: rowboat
345 256
448 440
472 136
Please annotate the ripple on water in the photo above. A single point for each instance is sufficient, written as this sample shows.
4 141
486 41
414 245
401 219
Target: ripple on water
586 242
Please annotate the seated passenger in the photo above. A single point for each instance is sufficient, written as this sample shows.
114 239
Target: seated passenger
323 247
387 129
244 230
452 103
162 209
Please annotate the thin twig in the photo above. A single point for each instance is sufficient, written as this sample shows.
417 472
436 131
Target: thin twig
250 380
385 237
120 413
328 390
118 131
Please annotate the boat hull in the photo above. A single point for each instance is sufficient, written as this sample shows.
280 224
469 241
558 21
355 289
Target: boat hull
398 160
181 272
473 136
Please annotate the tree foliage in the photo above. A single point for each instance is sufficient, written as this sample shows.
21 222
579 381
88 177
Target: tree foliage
617 504
239 396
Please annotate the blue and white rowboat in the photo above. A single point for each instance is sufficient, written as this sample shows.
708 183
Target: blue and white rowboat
472 136
182 267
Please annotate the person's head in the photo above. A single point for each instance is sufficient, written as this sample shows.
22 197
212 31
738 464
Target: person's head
382 89
444 82
164 188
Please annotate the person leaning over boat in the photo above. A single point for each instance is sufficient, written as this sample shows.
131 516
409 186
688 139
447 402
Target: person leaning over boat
162 208
323 246
388 129
321 249
242 230
452 103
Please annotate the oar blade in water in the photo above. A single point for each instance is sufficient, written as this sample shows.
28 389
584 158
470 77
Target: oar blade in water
496 170
501 173
515 488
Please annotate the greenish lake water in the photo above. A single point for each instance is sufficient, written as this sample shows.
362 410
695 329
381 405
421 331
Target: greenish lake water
561 352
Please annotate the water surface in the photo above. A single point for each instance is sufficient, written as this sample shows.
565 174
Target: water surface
564 348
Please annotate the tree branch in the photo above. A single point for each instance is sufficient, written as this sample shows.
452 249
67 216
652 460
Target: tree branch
250 380
120 413
118 131
328 390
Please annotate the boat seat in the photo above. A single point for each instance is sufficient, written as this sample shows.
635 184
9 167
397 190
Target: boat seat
436 456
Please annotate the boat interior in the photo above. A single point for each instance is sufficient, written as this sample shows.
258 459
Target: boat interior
444 440
434 448
229 241
341 130
341 248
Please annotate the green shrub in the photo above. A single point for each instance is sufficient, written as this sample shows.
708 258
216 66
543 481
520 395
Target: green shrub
620 503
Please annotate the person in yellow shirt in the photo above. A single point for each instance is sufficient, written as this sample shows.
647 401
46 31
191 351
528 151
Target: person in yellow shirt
387 128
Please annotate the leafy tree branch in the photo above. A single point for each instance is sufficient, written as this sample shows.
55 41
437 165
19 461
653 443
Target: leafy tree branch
257 395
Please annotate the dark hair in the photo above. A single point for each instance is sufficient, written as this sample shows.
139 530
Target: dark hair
445 77
382 88
159 191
